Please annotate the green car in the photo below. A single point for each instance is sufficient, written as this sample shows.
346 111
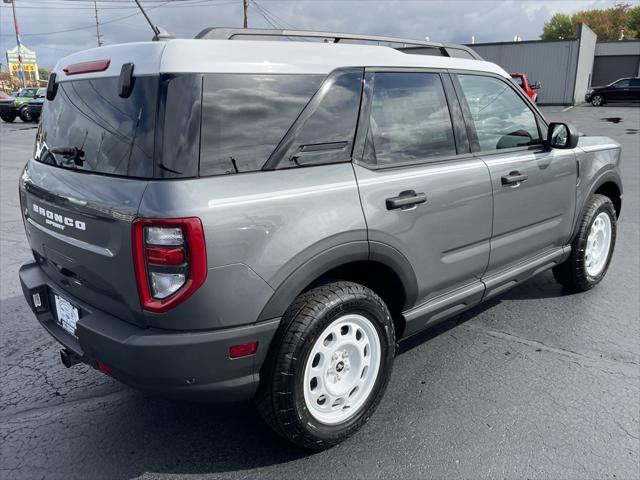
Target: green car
12 107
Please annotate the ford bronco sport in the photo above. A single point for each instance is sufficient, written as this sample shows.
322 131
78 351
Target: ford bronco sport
220 220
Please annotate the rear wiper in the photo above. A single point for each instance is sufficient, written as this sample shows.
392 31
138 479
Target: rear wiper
70 154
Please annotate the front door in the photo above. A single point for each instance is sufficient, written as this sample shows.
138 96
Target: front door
421 192
534 187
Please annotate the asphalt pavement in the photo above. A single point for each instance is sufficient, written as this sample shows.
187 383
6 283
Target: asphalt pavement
536 384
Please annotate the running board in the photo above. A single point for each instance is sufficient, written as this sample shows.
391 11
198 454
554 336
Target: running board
456 301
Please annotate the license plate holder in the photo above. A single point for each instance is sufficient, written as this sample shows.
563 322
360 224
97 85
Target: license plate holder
67 315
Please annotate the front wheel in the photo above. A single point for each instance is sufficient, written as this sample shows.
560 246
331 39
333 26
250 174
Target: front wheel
328 366
597 100
592 248
26 116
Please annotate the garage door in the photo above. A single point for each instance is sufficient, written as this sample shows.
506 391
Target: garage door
606 69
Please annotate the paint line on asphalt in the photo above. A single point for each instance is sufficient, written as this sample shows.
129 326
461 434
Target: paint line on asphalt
568 108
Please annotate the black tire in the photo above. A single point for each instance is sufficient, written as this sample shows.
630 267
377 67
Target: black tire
280 397
25 116
8 117
598 100
572 273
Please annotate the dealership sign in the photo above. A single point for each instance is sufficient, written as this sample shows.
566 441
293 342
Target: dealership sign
29 63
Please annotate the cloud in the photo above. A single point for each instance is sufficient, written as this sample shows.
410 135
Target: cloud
453 21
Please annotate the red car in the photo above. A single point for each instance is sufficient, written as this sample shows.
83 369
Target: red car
531 89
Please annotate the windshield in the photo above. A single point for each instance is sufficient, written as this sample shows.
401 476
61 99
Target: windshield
27 92
89 127
518 81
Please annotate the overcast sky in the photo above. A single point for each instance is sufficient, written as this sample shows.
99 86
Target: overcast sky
44 23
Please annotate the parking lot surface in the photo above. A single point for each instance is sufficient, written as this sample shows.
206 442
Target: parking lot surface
537 383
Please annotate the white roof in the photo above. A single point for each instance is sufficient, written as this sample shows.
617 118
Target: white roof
248 56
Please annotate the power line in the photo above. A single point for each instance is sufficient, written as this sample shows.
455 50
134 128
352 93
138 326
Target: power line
166 2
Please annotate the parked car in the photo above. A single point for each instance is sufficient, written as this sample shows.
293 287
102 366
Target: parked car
271 221
622 90
34 108
10 109
531 89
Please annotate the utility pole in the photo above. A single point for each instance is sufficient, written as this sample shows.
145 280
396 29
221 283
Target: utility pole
17 29
245 7
95 7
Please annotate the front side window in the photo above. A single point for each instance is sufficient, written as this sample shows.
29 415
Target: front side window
244 117
502 119
409 119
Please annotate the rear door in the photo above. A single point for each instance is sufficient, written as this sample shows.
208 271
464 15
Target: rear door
534 187
93 156
620 91
422 191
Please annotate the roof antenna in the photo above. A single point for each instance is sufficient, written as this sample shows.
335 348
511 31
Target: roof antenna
159 33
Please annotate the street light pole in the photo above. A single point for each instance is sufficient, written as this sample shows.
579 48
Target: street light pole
17 29
95 6
245 8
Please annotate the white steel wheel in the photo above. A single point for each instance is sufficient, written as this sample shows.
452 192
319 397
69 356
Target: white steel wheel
342 369
598 246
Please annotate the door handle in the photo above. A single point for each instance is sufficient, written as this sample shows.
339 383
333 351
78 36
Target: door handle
405 200
514 178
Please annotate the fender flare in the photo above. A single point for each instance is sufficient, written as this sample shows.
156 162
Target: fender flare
607 176
335 257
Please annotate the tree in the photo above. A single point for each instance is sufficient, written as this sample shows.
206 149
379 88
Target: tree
634 20
43 73
607 23
559 27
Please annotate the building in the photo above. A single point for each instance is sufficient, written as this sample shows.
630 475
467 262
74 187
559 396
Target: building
566 68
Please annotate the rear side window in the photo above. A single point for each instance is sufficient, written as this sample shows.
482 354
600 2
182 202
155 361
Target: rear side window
325 130
502 119
244 117
409 119
635 82
88 127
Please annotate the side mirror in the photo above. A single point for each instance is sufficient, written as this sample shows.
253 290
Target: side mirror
562 135
536 86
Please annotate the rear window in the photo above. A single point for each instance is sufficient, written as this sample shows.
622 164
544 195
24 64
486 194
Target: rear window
89 127
244 117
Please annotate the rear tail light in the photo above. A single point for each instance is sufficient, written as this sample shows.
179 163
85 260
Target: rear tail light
170 260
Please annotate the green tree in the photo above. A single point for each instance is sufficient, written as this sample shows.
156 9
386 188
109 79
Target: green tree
607 23
634 20
559 27
43 73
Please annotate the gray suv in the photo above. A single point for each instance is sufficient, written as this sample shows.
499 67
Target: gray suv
222 220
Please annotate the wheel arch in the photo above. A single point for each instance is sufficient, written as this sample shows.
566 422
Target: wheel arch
377 266
608 184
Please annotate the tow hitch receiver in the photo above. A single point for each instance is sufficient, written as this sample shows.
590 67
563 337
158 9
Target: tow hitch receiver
68 358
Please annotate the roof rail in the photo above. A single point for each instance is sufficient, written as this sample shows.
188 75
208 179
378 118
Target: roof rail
405 44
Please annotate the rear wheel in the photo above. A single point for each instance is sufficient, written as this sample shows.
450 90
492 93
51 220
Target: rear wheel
8 117
25 116
597 100
592 248
329 365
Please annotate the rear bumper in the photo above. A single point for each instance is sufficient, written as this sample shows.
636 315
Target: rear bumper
188 365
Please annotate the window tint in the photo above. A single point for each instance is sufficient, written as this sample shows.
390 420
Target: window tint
502 119
622 83
635 82
111 134
409 119
245 116
324 132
